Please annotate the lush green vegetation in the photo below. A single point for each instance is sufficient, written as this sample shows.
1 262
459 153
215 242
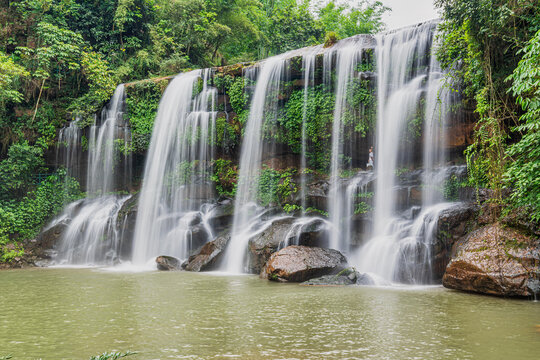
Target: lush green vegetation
142 102
492 48
225 177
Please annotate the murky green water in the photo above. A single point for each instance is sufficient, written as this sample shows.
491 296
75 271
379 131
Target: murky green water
76 313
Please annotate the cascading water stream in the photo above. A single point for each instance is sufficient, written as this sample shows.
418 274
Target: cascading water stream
308 64
92 235
347 59
356 194
438 100
264 104
176 182
400 85
68 151
400 247
101 145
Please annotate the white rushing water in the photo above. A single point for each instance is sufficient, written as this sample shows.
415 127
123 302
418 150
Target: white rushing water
263 104
102 170
300 226
437 108
68 152
177 174
347 58
92 235
400 247
308 65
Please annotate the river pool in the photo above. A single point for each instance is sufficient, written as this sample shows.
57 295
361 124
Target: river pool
77 313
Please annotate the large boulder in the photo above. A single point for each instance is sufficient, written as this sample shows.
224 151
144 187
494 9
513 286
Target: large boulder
168 263
283 231
300 263
207 256
267 242
495 260
453 223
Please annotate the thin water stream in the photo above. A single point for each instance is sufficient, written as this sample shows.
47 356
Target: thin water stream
77 313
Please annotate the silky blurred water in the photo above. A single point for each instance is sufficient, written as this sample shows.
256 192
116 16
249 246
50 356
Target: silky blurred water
77 313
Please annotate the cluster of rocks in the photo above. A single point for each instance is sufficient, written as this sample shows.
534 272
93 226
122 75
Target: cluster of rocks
471 254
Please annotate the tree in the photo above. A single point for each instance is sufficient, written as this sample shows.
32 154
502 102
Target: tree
10 73
17 170
363 18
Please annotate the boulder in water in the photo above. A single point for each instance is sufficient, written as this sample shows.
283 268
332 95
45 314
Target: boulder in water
344 277
207 256
495 260
329 280
167 263
268 241
300 263
453 223
265 243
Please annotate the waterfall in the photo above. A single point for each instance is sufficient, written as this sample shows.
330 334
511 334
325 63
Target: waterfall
438 101
263 105
68 151
400 246
308 65
357 200
177 197
176 181
348 57
312 223
400 85
92 236
101 144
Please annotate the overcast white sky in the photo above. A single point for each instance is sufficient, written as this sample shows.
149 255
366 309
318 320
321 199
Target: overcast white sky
408 12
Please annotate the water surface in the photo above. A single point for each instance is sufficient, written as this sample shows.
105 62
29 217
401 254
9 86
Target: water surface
76 313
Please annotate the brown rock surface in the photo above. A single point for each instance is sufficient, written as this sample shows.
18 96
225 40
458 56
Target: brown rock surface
167 263
207 256
494 260
301 263
264 244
